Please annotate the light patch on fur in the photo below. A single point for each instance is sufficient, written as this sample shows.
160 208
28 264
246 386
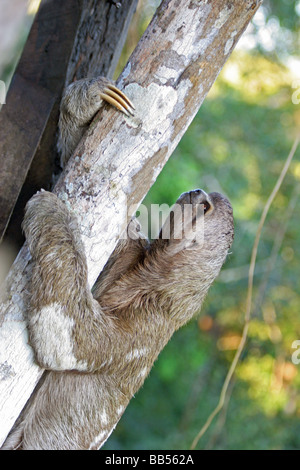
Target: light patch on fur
120 410
136 354
98 439
143 372
51 332
104 417
101 438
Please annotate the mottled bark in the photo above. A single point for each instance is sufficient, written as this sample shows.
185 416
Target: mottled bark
167 77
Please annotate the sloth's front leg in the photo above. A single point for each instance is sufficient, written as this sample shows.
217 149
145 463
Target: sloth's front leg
80 102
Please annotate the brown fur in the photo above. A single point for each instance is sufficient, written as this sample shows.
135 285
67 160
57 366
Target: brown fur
99 347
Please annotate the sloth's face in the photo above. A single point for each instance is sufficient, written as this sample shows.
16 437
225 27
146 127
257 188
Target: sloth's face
200 221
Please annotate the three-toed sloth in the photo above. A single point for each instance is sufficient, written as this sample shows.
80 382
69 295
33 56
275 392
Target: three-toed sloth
98 346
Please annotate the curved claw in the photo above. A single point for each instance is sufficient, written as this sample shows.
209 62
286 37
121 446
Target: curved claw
114 88
117 98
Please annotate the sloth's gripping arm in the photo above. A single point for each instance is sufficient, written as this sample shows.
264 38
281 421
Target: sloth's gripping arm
67 326
80 102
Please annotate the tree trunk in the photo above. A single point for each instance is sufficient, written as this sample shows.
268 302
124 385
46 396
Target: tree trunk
167 78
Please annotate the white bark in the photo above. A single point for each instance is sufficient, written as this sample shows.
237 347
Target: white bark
167 78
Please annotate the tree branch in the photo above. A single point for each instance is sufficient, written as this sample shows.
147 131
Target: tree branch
167 77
